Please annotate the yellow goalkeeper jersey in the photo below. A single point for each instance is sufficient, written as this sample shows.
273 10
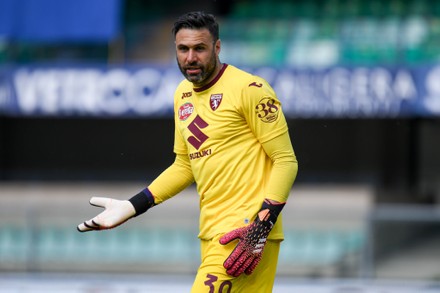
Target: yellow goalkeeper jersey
220 128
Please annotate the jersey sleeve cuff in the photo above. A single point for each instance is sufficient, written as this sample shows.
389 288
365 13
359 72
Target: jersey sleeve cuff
142 201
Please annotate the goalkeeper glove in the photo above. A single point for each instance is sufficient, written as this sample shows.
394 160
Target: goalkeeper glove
116 211
252 239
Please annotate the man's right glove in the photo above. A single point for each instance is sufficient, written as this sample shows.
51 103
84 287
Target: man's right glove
116 211
252 239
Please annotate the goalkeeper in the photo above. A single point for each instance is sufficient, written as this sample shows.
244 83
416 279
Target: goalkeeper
231 139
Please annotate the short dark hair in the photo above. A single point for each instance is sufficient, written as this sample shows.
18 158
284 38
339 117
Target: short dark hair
197 20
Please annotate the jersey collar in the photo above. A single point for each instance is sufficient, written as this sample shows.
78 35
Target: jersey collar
212 82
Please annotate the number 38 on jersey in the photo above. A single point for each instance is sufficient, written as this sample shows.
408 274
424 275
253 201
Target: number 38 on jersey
267 110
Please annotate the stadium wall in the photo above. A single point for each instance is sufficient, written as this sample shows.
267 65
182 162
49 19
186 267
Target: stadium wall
397 156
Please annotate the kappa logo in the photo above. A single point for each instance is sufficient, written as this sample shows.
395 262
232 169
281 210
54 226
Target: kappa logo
186 95
256 84
215 101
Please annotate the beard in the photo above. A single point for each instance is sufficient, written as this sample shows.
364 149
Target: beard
205 71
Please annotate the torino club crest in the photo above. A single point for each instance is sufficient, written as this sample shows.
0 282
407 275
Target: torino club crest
215 101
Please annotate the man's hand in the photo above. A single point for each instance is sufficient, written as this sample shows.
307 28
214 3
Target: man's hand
116 212
252 239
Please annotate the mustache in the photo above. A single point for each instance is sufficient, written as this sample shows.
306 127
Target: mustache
192 65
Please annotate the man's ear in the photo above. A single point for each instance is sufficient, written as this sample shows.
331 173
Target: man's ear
217 45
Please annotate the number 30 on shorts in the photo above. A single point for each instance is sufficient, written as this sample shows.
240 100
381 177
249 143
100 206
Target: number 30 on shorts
224 287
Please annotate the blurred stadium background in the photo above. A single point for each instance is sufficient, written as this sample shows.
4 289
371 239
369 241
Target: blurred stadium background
85 109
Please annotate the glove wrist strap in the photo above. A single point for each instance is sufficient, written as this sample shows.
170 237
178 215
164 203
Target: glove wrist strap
142 201
270 211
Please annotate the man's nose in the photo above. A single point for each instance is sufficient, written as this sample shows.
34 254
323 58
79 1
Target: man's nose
192 56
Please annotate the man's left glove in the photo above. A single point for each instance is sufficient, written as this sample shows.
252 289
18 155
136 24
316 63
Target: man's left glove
252 239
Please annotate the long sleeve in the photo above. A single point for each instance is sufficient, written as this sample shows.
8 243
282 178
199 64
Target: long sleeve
173 180
285 167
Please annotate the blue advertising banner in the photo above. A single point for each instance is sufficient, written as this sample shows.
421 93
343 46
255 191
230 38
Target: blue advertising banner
60 21
147 91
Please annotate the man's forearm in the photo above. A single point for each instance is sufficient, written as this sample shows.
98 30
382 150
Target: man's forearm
173 180
285 167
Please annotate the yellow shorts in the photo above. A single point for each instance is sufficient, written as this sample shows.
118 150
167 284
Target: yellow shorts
212 277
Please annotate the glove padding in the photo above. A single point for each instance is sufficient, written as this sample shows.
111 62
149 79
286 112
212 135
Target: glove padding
252 239
116 213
